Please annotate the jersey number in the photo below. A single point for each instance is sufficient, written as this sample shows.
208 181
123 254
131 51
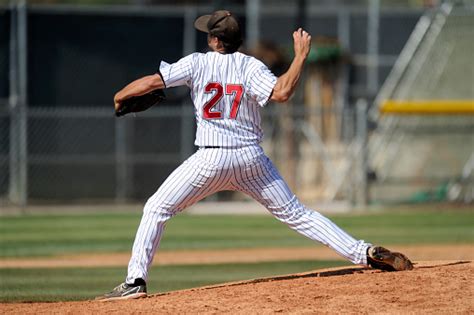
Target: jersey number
236 90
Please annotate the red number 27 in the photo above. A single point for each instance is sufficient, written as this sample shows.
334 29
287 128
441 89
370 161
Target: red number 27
236 90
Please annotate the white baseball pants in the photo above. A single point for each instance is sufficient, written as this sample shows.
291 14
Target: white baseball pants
245 169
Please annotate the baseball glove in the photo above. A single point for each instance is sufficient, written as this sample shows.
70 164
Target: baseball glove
140 103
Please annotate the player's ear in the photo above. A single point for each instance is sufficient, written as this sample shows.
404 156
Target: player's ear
212 38
212 41
209 39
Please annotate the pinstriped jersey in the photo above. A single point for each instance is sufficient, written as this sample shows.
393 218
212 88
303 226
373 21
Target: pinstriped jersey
227 91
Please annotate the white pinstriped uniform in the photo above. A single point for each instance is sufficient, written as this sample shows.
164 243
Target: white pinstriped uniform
235 160
198 70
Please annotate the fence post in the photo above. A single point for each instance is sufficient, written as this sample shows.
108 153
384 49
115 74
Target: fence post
13 102
252 10
373 46
121 161
362 159
18 185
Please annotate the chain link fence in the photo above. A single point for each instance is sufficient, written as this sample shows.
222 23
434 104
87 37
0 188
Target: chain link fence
86 154
73 149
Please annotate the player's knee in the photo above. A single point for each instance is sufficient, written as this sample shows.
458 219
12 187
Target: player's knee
149 206
289 211
159 207
153 205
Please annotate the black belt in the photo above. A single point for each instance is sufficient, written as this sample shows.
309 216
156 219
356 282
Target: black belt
211 147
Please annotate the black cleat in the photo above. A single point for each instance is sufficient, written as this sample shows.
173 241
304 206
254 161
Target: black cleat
125 291
381 258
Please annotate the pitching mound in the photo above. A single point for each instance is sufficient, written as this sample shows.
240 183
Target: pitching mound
432 287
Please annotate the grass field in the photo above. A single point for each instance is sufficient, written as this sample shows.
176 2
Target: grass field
65 284
48 235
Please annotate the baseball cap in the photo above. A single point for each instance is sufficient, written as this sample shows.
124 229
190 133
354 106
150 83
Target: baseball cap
221 24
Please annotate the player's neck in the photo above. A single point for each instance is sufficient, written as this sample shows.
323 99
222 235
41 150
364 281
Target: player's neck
220 50
217 47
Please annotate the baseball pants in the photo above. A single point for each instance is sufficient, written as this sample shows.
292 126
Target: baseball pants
245 169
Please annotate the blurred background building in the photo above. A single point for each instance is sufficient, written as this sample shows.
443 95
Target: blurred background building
61 61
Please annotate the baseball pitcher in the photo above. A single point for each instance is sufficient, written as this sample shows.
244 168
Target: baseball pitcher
228 89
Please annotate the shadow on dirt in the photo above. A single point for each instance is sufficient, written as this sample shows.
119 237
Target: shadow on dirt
461 262
324 273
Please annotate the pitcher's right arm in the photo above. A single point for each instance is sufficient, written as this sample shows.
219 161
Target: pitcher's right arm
286 83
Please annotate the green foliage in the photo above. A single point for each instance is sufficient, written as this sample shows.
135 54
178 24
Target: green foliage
85 283
46 234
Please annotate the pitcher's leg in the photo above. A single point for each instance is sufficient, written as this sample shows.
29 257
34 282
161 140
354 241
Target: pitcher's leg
190 182
261 180
319 228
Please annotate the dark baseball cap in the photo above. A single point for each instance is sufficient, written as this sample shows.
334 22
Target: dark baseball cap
221 24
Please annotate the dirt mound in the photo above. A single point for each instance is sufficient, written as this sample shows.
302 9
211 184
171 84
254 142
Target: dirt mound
432 287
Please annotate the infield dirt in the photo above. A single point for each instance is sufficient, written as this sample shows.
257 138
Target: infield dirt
434 287
244 255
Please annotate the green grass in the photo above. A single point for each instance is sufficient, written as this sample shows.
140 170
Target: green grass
65 284
412 227
46 234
